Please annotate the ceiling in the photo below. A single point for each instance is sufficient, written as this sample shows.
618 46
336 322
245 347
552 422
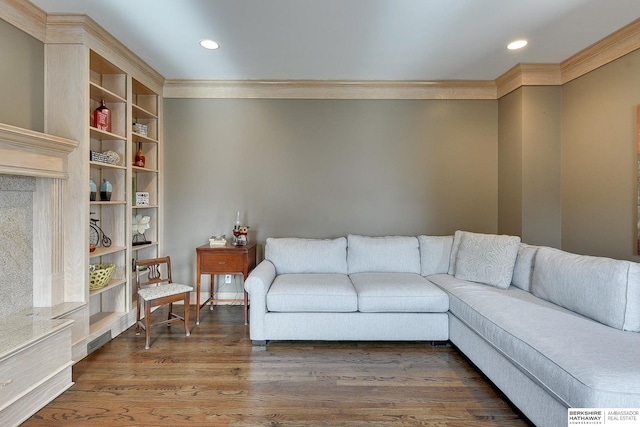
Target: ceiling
351 39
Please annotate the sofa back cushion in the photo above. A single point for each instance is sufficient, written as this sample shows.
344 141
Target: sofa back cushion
484 258
391 254
299 256
602 289
523 270
435 252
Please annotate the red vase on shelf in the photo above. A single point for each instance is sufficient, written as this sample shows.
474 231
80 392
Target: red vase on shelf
102 117
139 160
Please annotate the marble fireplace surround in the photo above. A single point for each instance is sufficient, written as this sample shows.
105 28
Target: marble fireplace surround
34 169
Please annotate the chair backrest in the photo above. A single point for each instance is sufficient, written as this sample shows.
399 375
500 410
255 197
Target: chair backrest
153 272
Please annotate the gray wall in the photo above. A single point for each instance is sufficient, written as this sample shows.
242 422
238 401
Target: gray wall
599 177
529 165
326 168
22 79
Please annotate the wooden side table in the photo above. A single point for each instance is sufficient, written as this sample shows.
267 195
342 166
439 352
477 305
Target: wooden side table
228 259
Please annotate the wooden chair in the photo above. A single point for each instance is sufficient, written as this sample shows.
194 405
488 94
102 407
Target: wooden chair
159 290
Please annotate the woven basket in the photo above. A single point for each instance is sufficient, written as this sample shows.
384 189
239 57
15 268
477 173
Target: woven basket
100 275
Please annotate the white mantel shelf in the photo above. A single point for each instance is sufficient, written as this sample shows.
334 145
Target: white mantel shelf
30 153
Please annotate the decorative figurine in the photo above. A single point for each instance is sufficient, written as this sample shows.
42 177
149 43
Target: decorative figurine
240 233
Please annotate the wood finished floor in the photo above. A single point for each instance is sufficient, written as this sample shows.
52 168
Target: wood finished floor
216 377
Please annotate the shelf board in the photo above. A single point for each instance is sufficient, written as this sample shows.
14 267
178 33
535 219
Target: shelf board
144 207
110 202
103 321
141 113
104 135
101 250
102 165
100 65
141 138
112 284
139 169
148 245
140 89
97 93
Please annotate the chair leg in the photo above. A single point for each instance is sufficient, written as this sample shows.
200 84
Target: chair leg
186 313
147 322
170 315
138 317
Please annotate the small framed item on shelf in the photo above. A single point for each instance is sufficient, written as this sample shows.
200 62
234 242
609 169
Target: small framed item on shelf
142 198
140 129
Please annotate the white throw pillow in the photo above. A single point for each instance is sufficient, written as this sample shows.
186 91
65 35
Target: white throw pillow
486 258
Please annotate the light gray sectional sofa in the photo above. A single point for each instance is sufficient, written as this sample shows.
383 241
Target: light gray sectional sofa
551 329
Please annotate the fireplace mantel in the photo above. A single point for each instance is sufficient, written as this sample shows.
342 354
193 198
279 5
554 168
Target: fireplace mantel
30 153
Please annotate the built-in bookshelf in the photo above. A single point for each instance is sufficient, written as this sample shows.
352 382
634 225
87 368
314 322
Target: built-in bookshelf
81 74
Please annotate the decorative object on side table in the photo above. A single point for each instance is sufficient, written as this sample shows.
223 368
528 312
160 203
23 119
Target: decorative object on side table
105 190
241 235
140 224
240 232
218 241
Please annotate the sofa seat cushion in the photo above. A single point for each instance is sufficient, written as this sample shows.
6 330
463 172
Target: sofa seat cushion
398 292
581 362
312 293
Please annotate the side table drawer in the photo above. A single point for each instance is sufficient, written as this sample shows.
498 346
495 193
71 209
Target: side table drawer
223 263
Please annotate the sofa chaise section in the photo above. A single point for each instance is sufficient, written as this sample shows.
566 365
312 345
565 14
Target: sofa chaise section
546 357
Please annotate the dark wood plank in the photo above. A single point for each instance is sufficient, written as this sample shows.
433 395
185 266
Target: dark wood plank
216 377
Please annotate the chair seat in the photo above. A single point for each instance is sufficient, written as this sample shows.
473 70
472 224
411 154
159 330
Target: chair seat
160 291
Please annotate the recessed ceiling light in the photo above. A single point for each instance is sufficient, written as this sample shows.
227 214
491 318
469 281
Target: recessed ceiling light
209 44
518 44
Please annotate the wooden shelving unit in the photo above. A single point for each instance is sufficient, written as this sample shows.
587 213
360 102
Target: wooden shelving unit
83 68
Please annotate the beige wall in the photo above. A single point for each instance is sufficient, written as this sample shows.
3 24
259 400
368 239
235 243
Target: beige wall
326 168
22 79
599 160
510 164
529 165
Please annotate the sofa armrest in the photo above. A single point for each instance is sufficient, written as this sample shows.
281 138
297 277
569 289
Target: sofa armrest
260 279
257 285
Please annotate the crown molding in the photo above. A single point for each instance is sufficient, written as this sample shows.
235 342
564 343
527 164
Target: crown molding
528 75
26 16
610 48
55 28
329 89
81 29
